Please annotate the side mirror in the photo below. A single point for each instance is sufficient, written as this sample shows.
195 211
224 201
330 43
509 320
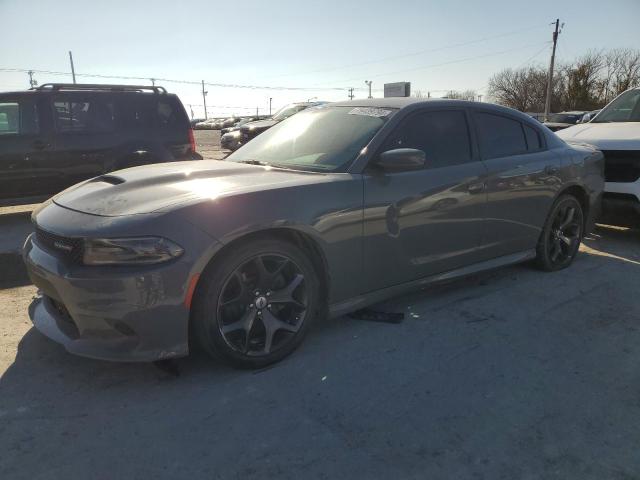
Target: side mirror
401 159
586 118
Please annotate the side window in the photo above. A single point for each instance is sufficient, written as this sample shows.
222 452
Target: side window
18 117
442 135
500 136
137 112
533 138
93 115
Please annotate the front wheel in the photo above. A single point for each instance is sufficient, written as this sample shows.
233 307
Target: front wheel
561 236
256 303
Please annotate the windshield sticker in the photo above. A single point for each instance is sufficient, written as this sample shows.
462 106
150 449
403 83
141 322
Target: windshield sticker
370 111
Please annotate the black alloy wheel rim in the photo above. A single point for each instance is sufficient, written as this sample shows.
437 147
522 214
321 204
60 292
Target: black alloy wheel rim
262 305
565 234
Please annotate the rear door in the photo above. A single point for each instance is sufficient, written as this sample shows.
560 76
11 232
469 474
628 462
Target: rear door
419 223
521 185
23 144
85 138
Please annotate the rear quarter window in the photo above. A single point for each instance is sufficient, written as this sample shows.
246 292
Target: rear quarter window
534 142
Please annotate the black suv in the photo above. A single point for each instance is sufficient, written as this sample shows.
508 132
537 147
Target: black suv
56 135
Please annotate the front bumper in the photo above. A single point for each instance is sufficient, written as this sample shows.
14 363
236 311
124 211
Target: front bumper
118 315
621 198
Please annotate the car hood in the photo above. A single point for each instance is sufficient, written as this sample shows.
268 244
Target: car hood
166 186
606 136
258 125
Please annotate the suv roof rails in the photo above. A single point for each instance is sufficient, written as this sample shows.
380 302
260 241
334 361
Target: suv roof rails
98 86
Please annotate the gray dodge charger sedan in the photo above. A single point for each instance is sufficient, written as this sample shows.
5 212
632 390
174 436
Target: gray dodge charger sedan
336 208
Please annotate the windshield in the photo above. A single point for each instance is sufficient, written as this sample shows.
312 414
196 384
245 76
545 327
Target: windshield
286 112
625 108
564 117
318 139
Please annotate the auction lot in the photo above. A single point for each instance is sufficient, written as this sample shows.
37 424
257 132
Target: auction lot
513 374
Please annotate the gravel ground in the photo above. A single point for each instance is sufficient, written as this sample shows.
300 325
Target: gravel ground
512 374
208 144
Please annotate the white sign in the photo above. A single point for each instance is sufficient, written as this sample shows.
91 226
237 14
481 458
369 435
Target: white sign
398 89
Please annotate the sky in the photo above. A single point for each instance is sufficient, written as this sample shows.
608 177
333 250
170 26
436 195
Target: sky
316 49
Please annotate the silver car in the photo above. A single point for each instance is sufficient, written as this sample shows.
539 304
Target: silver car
332 210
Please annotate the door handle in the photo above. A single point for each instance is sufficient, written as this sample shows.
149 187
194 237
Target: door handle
551 169
476 187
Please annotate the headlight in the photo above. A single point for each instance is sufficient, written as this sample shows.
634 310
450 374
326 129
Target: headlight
129 251
235 133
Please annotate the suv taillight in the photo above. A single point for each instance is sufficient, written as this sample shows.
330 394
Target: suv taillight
192 140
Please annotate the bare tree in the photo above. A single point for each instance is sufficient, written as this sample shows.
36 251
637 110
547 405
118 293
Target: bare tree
583 83
522 89
624 71
463 95
589 82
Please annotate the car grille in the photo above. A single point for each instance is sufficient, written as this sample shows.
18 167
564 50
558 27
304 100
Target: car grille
66 248
621 166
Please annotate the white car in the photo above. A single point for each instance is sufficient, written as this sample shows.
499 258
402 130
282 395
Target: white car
616 132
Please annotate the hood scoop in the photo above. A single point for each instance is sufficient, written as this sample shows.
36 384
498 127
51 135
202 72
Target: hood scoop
110 179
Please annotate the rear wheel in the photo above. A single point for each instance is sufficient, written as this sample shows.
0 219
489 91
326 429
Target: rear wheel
561 235
256 303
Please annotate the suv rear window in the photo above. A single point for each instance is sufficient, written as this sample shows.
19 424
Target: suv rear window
18 118
170 116
94 115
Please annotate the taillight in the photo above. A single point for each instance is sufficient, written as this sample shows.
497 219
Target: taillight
192 140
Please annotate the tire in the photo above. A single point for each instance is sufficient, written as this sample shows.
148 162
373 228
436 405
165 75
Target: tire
561 236
255 304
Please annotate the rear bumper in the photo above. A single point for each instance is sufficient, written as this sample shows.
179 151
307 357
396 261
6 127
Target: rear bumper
130 316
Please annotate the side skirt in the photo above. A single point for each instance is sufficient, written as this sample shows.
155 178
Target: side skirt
361 301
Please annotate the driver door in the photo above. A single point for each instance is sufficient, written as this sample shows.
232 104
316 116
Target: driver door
423 222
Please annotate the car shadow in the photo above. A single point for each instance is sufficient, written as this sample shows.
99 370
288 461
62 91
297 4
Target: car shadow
14 272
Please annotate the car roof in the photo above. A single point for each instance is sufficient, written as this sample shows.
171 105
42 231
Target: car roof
413 103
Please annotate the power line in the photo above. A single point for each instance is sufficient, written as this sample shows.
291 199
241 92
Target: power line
170 80
526 62
451 62
412 54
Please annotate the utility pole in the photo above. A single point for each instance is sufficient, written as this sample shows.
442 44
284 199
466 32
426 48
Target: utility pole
547 103
32 82
73 70
351 93
369 82
204 100
270 99
257 114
